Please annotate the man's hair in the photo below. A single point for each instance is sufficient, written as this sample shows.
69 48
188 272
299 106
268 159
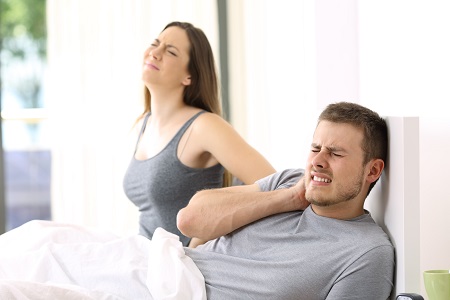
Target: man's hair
375 140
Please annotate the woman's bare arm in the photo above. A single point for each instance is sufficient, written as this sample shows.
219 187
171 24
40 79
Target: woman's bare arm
217 137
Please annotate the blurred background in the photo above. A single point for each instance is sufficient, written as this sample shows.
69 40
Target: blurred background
25 138
71 90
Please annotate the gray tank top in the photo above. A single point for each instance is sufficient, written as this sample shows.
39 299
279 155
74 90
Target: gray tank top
161 185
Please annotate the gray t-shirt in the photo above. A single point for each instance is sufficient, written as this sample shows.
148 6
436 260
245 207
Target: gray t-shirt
298 255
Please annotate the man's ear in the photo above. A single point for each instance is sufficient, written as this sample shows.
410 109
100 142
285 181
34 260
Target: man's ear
187 80
375 170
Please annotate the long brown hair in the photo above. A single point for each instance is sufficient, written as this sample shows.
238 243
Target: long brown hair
203 92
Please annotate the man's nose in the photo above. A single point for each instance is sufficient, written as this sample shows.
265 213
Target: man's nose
319 160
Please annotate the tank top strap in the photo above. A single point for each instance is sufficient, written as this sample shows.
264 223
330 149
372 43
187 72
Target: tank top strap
180 132
188 123
172 147
144 124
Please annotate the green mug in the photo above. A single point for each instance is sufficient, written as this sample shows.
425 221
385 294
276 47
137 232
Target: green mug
437 284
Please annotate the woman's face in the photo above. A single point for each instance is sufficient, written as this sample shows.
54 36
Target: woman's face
166 60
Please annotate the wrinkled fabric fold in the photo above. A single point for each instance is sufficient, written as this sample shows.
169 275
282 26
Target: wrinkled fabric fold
171 274
66 261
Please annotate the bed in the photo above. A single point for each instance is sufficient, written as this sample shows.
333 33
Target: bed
134 268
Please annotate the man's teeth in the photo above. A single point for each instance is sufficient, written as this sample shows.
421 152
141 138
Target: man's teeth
321 179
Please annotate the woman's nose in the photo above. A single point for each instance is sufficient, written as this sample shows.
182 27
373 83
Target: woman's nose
155 53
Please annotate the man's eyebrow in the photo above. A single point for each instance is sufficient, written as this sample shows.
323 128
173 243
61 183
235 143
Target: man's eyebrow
329 148
335 149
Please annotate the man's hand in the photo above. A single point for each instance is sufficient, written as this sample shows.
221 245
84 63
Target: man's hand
299 194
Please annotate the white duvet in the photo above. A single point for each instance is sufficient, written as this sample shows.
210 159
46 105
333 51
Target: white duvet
49 260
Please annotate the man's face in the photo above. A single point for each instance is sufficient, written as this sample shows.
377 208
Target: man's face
335 174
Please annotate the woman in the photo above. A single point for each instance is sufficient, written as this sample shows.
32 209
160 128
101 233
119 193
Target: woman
184 144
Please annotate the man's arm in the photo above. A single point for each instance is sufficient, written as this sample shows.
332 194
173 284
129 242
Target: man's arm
216 212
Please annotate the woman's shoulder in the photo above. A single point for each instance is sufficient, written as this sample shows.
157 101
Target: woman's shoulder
210 128
209 120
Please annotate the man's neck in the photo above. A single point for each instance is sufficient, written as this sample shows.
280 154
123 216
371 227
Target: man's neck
340 212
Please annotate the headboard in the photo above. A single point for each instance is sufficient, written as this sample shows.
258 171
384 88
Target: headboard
394 201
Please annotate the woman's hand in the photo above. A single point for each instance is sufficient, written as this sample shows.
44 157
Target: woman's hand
196 242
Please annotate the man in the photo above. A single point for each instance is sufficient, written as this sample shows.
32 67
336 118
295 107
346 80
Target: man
300 234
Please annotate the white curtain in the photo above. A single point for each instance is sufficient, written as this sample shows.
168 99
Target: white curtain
94 91
273 77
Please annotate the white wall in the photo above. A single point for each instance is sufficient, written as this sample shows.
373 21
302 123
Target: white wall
434 195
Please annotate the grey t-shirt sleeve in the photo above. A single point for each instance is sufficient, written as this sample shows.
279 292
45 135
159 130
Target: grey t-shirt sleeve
280 180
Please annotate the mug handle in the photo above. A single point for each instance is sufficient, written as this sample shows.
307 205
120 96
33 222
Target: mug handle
409 296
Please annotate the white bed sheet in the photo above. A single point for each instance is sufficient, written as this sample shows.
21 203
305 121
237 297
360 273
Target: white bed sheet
49 260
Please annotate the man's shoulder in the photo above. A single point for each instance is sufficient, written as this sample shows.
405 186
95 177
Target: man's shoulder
281 179
371 234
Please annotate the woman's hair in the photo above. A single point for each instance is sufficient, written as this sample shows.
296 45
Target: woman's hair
375 140
203 92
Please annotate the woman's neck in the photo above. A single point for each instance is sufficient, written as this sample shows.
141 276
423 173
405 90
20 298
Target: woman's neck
166 105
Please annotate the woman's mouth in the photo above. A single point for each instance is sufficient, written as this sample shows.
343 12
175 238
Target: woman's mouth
151 66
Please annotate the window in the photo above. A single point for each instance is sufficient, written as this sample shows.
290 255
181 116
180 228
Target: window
25 146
